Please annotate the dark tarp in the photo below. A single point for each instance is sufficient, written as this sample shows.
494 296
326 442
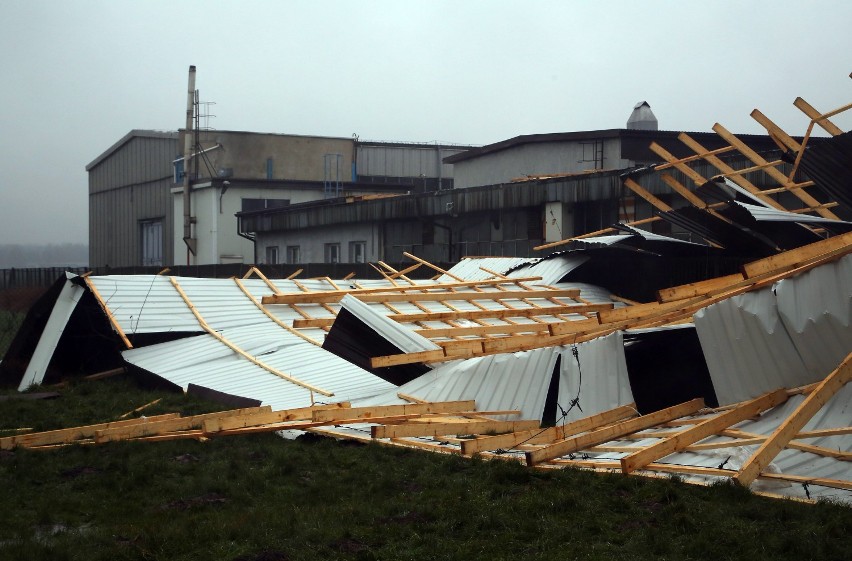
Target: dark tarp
829 164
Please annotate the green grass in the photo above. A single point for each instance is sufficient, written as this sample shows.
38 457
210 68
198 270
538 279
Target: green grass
263 498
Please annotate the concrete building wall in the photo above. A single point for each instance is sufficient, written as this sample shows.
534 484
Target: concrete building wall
537 159
311 243
246 155
130 185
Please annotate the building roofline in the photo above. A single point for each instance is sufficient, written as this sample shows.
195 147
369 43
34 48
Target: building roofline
135 133
577 135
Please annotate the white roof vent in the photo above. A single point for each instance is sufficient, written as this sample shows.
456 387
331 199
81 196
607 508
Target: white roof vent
642 118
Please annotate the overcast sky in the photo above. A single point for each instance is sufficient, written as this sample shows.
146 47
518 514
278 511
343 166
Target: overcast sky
77 76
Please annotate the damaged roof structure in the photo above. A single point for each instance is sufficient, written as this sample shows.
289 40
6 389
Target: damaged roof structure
554 361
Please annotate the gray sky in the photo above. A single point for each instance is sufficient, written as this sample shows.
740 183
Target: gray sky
77 76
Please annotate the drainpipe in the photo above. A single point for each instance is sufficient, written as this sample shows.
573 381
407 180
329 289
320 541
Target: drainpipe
187 155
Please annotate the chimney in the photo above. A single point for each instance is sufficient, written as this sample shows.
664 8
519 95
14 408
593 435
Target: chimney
642 118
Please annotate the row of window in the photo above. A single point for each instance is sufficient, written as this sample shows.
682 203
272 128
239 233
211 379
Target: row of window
331 253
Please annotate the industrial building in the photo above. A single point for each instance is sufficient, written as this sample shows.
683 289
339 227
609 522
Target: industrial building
136 203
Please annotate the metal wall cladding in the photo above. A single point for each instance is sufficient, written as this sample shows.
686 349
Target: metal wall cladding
131 184
405 160
791 334
205 361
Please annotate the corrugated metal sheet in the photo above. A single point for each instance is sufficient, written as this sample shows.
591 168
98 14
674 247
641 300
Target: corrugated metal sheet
131 183
205 361
828 164
791 334
521 380
402 338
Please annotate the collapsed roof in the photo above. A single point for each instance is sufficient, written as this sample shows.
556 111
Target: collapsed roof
741 375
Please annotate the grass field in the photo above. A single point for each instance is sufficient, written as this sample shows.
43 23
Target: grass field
264 498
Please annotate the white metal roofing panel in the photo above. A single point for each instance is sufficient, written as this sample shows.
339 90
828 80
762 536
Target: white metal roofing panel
521 380
65 304
144 303
605 240
205 361
469 267
766 214
496 382
402 338
598 375
550 269
791 334
747 349
816 308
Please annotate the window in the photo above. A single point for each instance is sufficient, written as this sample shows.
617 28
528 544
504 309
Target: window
332 253
151 236
272 255
269 168
293 254
357 251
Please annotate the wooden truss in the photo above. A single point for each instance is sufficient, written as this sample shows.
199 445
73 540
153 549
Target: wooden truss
785 182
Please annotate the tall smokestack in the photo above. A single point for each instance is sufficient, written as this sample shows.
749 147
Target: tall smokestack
187 156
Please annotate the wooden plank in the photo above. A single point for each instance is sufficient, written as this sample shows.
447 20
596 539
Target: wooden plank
787 430
336 296
640 459
503 313
725 168
775 174
776 131
308 297
221 338
645 194
114 322
431 266
364 414
798 256
606 434
508 441
681 189
672 161
595 233
140 408
440 429
216 424
62 436
483 330
407 358
268 314
169 425
697 288
813 114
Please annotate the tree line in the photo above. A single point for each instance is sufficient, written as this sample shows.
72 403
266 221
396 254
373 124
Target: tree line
44 255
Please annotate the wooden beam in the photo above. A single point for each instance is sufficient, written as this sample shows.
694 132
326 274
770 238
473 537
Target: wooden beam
170 425
787 430
277 321
775 174
697 288
364 414
64 436
725 168
776 131
606 434
483 330
221 338
645 194
798 256
681 189
443 428
672 161
431 266
813 114
387 296
680 441
508 441
114 322
216 424
595 233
